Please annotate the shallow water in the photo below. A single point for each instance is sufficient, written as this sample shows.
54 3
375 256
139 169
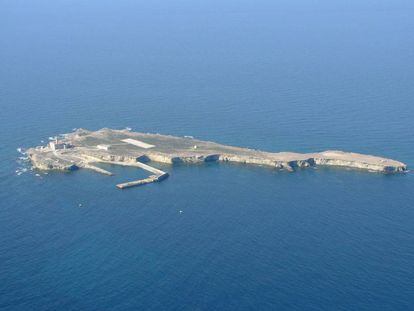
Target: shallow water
287 75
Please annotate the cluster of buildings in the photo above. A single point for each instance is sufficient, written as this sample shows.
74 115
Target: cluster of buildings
58 145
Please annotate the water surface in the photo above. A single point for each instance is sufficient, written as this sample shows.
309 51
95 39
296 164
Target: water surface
274 75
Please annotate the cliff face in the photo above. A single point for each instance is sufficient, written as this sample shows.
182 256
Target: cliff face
172 150
317 160
42 162
358 165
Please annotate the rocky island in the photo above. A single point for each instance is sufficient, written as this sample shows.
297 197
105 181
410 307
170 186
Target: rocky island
83 148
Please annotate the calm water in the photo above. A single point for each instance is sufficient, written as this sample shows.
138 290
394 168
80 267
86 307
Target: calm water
275 75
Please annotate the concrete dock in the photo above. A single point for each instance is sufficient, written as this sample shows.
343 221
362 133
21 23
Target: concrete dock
140 182
158 175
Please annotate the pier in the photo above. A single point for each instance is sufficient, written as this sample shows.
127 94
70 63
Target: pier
157 176
140 182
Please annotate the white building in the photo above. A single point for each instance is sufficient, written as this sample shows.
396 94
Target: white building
55 145
103 147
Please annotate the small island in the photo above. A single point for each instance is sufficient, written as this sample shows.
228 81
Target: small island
83 149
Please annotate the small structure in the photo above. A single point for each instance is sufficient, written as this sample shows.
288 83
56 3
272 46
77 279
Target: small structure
137 143
56 145
103 147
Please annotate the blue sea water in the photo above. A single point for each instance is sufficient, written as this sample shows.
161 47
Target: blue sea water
274 75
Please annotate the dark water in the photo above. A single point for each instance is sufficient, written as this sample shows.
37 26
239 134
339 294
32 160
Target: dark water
275 75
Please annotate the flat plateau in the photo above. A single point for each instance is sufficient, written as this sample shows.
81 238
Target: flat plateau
83 148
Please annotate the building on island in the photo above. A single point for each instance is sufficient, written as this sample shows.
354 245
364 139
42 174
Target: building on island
56 145
104 147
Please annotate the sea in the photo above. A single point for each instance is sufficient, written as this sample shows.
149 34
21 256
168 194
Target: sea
284 75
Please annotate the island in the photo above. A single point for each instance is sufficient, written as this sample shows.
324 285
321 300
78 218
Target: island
84 149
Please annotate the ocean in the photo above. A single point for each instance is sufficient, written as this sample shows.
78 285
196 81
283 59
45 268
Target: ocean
283 75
